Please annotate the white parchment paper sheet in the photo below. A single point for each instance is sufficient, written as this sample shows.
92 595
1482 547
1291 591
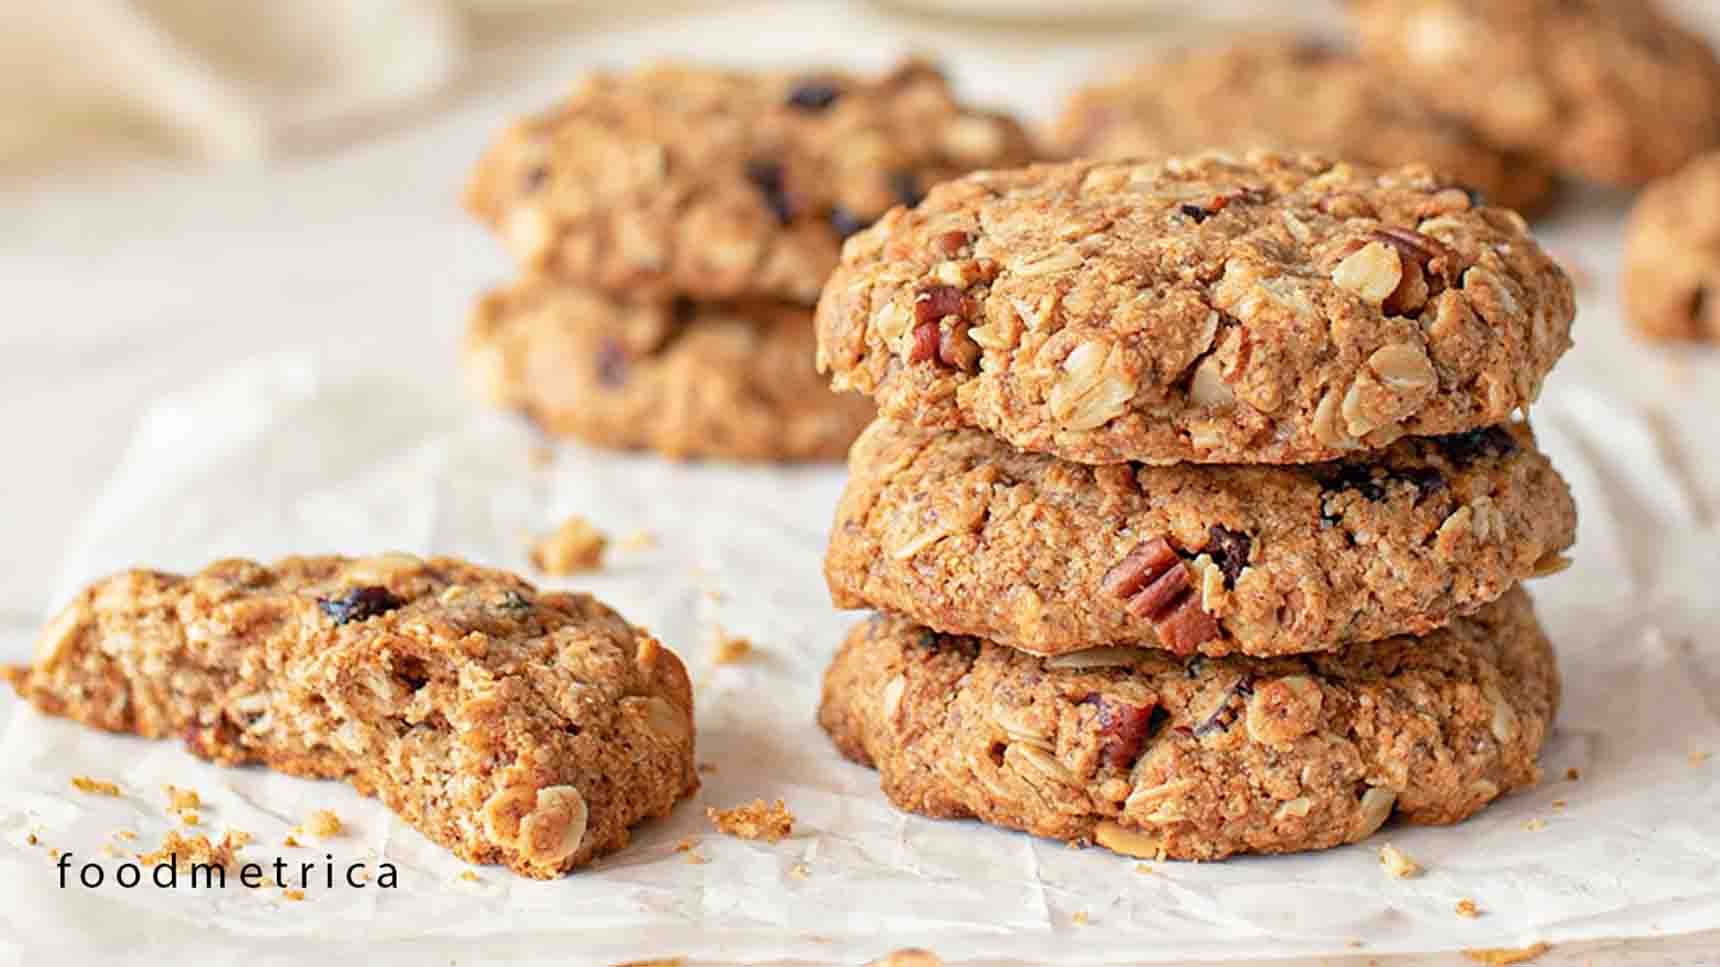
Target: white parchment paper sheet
303 454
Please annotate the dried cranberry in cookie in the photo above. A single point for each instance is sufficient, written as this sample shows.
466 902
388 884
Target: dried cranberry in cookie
1152 755
722 184
961 532
1312 309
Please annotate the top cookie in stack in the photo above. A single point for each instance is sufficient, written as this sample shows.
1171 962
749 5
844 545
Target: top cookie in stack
675 225
1271 309
1196 509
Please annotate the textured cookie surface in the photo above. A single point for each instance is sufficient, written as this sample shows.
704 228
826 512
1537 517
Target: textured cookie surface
1611 90
507 724
1272 309
1153 756
721 184
1672 256
1292 94
685 379
960 532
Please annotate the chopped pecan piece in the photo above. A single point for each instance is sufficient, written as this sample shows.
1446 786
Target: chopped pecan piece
927 336
957 350
1123 728
1155 585
950 243
937 301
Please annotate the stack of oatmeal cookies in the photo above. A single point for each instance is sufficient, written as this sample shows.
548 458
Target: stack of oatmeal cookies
674 226
1199 500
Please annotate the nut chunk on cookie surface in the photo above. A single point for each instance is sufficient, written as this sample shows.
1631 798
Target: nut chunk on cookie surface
509 725
1272 309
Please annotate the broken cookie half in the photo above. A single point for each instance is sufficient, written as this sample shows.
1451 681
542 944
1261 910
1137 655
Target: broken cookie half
512 726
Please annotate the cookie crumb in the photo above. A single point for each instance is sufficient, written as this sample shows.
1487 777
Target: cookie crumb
685 844
180 799
292 841
189 818
1535 825
31 839
1573 774
1080 918
1144 868
469 876
755 820
177 848
124 834
323 824
800 871
294 895
1505 956
94 787
639 541
575 546
1698 758
908 957
54 852
1560 804
234 839
1398 863
696 858
540 457
1467 908
728 649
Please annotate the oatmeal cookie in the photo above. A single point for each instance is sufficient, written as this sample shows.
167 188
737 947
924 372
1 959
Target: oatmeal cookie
958 531
1298 94
507 724
721 184
1672 256
1611 90
684 379
1155 756
1273 309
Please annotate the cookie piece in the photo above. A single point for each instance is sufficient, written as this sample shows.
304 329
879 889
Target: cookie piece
1611 90
1672 256
1153 756
507 724
721 184
1297 94
684 379
1272 309
961 532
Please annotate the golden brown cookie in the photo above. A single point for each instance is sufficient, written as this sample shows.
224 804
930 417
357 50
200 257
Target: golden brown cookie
1672 256
1297 94
1156 756
507 724
685 379
960 532
1610 90
1271 309
723 184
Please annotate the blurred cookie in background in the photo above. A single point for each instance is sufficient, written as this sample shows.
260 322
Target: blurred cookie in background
1672 256
1293 93
1614 91
717 183
684 379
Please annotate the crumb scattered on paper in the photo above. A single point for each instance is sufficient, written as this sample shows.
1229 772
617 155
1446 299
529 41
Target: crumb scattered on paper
1080 918
180 798
1535 825
1560 804
190 818
292 841
755 820
908 957
575 546
294 895
726 649
696 858
469 876
639 541
1398 863
94 787
177 848
1505 956
1698 758
1143 868
1467 908
323 824
800 871
1573 774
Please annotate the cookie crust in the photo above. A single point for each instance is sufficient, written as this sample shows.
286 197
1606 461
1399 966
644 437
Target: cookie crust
1672 256
507 724
1289 93
1269 309
1610 90
960 532
728 381
1153 756
722 184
